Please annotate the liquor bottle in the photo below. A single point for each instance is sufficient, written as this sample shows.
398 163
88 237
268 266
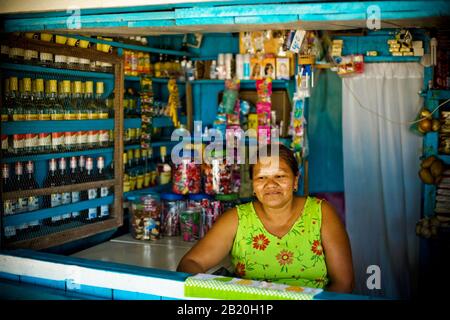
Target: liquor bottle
45 109
163 168
43 113
69 113
92 193
137 158
19 184
82 102
76 101
100 102
30 113
91 108
53 200
64 180
18 111
8 205
104 191
75 195
57 110
7 107
81 169
33 201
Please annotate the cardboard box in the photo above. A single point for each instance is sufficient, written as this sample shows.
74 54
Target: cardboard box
397 54
256 68
269 67
282 69
408 54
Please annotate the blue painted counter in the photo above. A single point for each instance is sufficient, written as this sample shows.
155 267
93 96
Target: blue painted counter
26 274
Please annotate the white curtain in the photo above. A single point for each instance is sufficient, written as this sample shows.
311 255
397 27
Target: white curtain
381 162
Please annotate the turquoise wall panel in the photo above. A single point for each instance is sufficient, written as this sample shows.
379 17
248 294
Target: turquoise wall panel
325 134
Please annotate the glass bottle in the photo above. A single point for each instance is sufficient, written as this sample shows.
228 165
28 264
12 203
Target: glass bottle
104 191
91 107
8 205
164 169
56 111
7 107
64 181
73 177
66 101
18 111
100 102
83 101
53 200
91 193
41 107
33 201
19 184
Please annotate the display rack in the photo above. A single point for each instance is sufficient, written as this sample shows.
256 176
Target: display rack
51 236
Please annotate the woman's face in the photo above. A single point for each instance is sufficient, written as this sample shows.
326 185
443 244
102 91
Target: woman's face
273 182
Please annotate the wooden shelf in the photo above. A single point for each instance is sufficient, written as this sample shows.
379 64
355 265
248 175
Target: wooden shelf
64 236
20 218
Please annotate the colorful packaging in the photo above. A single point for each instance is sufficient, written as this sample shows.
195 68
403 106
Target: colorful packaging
282 70
269 67
256 68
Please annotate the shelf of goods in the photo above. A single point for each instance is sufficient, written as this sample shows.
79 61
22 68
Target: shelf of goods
61 155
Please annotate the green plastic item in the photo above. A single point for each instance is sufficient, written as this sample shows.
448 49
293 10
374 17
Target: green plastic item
227 288
227 197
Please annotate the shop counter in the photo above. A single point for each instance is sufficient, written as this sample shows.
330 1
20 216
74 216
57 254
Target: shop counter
27 274
164 253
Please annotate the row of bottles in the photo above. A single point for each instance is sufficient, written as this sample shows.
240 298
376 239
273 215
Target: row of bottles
81 171
136 63
47 59
40 143
131 105
142 171
26 100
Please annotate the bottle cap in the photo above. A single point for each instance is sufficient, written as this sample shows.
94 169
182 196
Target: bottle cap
30 166
73 162
62 164
18 168
5 170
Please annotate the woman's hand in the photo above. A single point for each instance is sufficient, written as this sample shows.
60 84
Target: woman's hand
214 247
338 256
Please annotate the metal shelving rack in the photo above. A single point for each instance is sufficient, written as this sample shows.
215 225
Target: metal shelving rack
74 230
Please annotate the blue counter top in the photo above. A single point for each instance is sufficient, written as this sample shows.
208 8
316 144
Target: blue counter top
61 277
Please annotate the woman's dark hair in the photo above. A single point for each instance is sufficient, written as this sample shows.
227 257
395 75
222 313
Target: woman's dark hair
268 66
284 153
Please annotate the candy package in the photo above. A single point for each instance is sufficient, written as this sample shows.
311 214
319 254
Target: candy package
230 95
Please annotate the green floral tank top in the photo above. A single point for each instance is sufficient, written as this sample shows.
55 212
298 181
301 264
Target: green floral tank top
295 259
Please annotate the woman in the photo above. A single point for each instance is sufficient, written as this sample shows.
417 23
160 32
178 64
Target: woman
280 237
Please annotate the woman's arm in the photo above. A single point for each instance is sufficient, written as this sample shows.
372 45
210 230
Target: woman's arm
214 247
338 256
